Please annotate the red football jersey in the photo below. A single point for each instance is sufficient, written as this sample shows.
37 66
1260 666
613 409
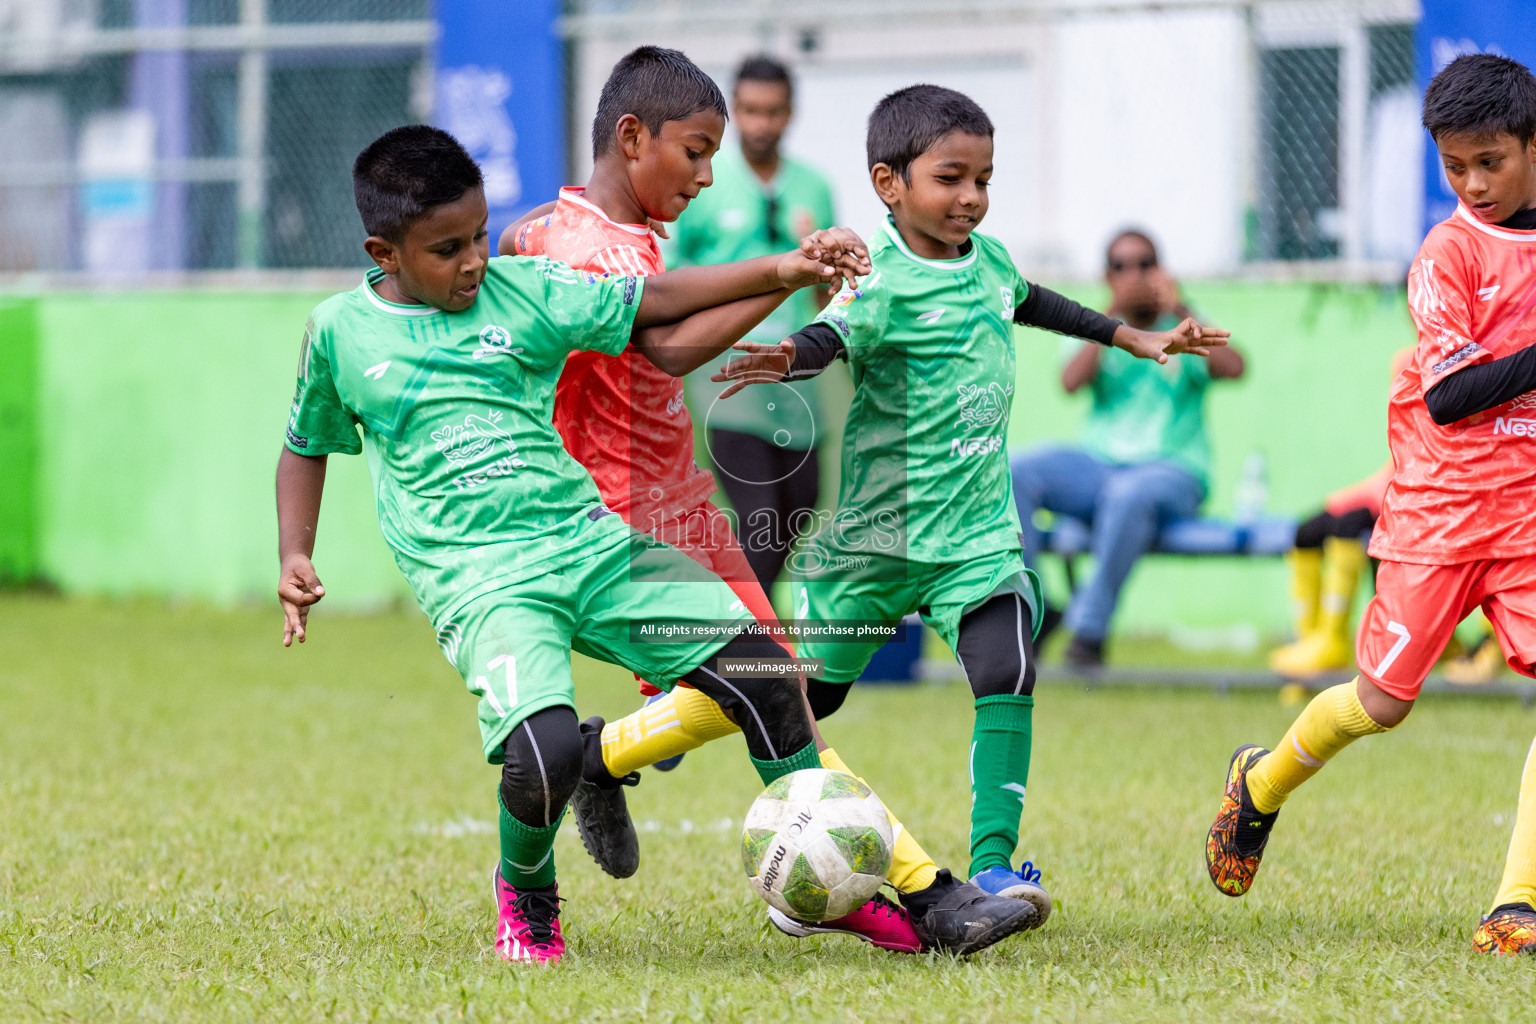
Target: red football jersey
620 417
1465 491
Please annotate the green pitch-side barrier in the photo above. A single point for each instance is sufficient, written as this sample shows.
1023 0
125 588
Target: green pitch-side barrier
139 432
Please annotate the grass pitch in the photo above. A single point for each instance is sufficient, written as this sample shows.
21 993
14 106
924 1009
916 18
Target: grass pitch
198 825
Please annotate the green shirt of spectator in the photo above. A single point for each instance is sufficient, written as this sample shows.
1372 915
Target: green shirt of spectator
1148 412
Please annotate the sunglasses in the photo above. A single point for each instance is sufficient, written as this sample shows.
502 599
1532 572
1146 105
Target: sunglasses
1121 266
771 220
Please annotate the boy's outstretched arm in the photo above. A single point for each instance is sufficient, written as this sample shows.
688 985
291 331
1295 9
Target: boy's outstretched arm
300 483
1050 311
683 347
800 356
822 256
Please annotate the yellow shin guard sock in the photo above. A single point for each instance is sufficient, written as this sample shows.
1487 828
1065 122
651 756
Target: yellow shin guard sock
1519 884
681 721
1306 587
1343 560
1332 721
911 867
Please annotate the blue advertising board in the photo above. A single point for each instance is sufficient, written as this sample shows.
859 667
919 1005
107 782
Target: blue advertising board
500 89
1453 27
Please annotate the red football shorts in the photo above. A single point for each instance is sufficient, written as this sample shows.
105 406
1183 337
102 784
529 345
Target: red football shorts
1417 607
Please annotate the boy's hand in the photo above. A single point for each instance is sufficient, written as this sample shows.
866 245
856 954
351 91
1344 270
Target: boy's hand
297 588
823 256
1189 337
763 364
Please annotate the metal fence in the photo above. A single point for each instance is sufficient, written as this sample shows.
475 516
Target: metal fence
155 135
196 135
1275 137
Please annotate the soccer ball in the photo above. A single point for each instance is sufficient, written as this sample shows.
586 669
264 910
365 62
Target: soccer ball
816 844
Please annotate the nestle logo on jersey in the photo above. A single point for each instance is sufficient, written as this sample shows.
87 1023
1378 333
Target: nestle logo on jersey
963 446
1514 427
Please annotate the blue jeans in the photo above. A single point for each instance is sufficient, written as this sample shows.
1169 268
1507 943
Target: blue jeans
1125 505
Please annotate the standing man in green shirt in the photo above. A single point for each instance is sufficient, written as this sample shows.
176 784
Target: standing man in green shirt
763 443
1145 458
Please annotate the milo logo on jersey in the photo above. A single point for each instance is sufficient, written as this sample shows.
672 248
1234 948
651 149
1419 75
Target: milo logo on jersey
466 447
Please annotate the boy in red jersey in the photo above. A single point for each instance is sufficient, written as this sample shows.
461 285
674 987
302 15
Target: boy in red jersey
1458 523
659 121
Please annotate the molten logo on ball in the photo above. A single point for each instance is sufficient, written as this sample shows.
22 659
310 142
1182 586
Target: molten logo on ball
817 844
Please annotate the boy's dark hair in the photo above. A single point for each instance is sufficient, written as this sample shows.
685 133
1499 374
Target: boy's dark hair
908 122
407 171
1480 94
657 85
762 68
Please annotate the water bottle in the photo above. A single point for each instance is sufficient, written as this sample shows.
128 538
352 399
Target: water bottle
1252 492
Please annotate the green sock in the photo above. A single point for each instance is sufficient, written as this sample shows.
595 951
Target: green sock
999 771
805 757
527 852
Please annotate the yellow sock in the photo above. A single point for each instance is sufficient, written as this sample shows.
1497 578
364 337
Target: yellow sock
1519 884
1332 721
911 867
1306 587
681 721
1343 559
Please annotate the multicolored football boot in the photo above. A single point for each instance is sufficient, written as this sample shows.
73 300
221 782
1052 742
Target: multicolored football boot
527 924
878 922
1509 930
1023 884
1238 837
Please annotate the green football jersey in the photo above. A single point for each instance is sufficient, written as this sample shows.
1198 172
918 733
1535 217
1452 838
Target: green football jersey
931 347
473 487
730 221
1145 411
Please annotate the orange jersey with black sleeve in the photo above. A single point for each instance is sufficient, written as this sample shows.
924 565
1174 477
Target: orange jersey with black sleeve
619 416
1465 491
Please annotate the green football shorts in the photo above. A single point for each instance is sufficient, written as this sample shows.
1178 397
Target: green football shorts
642 604
847 601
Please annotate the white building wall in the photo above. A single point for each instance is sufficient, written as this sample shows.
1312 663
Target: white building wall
1108 114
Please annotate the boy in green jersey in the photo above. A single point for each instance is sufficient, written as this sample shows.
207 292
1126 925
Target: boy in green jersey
447 361
925 519
621 418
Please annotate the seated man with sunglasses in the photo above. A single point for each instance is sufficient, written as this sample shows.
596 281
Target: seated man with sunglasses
1144 457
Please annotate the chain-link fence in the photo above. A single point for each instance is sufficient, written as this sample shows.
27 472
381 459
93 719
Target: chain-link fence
1337 144
151 135
1268 136
144 135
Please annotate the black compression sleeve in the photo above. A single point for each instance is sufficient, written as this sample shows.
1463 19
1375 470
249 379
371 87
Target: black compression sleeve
816 345
1479 388
1053 312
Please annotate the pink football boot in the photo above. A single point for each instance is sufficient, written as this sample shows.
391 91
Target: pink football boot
879 922
527 924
